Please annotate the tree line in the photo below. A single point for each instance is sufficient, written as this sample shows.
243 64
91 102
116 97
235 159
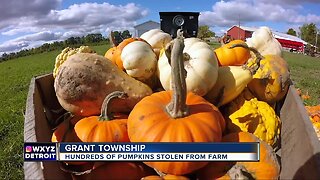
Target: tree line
308 32
90 39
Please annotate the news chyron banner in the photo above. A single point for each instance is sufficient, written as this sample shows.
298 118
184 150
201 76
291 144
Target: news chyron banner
142 151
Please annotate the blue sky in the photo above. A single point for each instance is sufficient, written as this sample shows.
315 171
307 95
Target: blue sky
27 24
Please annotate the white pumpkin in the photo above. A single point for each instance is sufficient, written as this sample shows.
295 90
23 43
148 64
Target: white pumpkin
139 60
157 39
201 66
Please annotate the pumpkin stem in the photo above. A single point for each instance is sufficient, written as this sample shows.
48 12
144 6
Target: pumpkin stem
252 66
239 172
105 115
161 174
112 39
177 108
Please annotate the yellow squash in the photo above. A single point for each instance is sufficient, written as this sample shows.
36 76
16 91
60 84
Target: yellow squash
253 116
272 79
233 79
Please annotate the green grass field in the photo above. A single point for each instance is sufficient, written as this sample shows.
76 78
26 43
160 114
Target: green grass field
305 74
15 76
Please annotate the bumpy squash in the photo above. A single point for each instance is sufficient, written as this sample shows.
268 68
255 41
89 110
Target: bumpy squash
253 116
267 168
67 52
200 64
227 56
263 40
271 81
238 102
157 39
85 79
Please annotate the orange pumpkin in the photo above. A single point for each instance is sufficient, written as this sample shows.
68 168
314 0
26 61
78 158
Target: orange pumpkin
120 170
313 110
65 133
103 128
314 115
110 54
187 118
165 177
215 170
111 51
232 56
267 168
117 54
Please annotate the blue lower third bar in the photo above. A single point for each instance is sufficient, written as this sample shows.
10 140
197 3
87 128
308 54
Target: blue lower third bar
159 147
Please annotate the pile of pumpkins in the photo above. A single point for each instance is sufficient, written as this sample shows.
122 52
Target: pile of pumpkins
155 88
314 115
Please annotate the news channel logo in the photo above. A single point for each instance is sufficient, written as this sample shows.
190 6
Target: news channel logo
40 151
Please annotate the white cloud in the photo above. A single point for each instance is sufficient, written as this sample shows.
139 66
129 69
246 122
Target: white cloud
13 10
228 13
306 19
41 36
76 20
85 17
92 15
290 2
29 41
45 22
13 46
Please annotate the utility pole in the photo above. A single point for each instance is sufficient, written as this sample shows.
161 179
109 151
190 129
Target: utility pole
239 26
315 46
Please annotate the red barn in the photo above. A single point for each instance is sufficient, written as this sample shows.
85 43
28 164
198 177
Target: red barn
287 41
240 33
